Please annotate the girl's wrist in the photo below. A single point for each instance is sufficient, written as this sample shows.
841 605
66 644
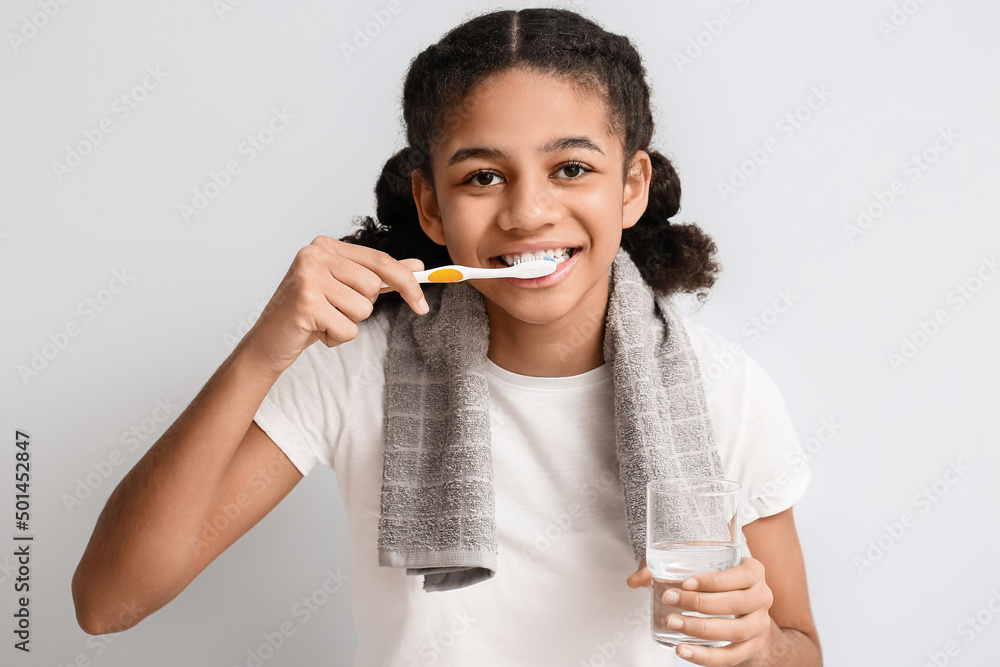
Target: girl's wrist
785 647
249 363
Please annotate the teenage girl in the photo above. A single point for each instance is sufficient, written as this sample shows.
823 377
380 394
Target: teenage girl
528 131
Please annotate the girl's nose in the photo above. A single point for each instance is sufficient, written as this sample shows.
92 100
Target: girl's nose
530 206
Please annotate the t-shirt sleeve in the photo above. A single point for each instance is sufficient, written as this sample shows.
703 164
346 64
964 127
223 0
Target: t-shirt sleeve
754 432
307 408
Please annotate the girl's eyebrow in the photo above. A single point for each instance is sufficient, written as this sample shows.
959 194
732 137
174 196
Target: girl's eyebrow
560 144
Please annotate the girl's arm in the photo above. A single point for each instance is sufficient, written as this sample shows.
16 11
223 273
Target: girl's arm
214 473
793 637
212 468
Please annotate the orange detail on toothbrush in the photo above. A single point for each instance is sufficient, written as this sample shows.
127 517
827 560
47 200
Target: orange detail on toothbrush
445 276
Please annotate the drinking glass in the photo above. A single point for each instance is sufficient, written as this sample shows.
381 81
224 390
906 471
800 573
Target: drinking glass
692 527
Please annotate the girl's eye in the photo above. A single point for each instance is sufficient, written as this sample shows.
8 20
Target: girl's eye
573 170
484 178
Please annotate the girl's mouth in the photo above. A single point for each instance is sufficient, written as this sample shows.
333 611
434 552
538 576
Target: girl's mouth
559 254
565 260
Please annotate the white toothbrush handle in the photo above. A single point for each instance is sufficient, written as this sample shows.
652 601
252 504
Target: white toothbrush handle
466 271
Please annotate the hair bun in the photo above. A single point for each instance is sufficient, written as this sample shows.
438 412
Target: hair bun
396 173
664 189
394 190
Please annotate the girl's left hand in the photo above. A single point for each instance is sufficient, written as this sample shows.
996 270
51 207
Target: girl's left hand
739 591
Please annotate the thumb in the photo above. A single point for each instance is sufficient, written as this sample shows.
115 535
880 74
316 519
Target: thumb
413 264
641 578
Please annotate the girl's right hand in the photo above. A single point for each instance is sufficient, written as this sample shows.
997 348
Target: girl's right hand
330 287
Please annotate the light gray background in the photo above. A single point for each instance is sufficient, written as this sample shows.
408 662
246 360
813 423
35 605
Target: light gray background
899 429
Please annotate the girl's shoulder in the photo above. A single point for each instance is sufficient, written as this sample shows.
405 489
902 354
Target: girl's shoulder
715 352
730 375
754 431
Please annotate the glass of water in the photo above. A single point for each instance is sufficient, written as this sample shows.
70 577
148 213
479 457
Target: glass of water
692 527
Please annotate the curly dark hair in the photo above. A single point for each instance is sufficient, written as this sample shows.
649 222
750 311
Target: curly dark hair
671 257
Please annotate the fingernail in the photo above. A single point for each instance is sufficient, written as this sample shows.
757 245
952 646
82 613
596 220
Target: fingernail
674 623
690 584
684 652
671 597
422 306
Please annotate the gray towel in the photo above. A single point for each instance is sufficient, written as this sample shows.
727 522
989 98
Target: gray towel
437 504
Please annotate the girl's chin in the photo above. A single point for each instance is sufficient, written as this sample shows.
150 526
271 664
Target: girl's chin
527 309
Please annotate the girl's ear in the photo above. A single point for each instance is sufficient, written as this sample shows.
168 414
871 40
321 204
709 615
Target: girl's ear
427 208
635 195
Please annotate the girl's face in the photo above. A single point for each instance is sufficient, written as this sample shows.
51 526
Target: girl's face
532 165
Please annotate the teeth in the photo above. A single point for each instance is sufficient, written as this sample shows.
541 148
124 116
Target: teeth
560 255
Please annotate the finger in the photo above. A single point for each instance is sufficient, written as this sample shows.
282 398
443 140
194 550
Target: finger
359 277
744 575
412 264
731 654
641 578
739 629
365 269
741 601
332 327
392 272
355 306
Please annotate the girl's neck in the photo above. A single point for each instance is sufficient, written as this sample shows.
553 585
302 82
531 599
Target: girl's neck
571 345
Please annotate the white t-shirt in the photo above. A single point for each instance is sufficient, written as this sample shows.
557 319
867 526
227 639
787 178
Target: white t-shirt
559 596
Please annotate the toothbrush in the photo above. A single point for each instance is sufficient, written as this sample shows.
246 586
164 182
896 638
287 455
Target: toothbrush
454 273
